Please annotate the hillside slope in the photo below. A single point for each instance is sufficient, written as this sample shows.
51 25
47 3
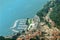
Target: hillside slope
54 14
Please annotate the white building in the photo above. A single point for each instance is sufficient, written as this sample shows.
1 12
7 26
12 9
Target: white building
34 24
19 25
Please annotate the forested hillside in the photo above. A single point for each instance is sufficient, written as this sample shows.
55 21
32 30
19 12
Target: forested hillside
54 15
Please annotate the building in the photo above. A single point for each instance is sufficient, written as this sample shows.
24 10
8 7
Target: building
19 25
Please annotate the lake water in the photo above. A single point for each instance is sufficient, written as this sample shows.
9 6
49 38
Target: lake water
11 10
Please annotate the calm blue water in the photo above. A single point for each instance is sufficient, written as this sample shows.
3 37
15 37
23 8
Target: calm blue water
11 10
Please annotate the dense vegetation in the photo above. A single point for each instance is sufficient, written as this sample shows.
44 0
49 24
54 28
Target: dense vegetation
42 13
55 14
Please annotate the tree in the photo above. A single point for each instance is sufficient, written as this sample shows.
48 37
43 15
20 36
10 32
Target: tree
8 39
32 39
2 38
